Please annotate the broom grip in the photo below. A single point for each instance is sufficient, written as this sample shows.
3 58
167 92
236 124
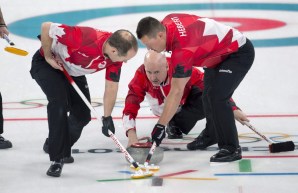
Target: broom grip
257 132
112 136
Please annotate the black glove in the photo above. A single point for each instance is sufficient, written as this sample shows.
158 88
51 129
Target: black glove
158 133
107 124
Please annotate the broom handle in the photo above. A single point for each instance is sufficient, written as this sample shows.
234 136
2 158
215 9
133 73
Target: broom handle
151 151
8 40
83 97
257 132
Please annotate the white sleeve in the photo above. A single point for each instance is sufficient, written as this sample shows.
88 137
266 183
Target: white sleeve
128 123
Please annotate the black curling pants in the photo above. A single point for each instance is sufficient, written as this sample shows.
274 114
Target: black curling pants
220 84
191 111
67 112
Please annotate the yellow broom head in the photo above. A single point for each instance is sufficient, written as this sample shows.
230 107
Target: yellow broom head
16 51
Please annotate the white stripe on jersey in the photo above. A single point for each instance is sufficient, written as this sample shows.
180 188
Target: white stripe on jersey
61 50
220 30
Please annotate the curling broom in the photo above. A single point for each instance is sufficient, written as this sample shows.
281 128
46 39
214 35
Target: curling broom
273 147
12 49
139 173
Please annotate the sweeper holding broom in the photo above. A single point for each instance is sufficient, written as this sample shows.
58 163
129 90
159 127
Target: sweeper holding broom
77 50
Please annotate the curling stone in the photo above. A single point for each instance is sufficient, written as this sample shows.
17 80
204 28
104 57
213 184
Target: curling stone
140 151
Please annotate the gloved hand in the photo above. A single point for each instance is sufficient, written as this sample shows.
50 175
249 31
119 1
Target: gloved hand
158 133
107 124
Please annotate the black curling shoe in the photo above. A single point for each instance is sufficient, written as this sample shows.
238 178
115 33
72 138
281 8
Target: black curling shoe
4 143
201 143
173 132
225 155
55 168
68 160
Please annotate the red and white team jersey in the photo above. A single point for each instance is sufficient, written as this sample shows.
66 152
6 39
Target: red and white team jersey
80 49
198 41
141 87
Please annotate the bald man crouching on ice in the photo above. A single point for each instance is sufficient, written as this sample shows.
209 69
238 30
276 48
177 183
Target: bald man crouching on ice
153 81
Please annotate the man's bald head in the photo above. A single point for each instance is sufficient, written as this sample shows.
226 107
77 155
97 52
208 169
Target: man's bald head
156 67
154 58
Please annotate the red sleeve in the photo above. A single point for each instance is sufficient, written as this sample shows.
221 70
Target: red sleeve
137 91
113 72
233 105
